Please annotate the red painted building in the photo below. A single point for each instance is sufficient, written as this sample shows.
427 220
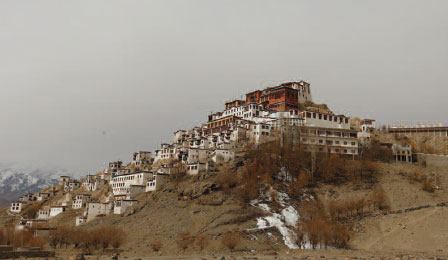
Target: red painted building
281 98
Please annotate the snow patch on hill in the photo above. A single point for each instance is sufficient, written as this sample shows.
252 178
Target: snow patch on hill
285 221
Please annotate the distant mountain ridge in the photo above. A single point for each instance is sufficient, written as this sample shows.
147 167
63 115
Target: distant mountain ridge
16 181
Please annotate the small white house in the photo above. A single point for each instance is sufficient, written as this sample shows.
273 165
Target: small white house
43 214
95 209
42 196
222 155
367 125
81 220
195 168
28 197
80 201
402 153
56 210
141 159
30 223
72 185
156 181
122 205
16 207
64 180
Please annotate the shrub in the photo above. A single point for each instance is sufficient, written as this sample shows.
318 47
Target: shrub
230 240
313 230
22 238
326 233
102 237
227 180
415 177
379 198
375 152
77 237
295 188
184 240
201 241
119 237
2 237
60 236
312 209
339 236
53 239
37 242
9 232
156 245
108 234
247 193
427 186
300 235
97 237
248 214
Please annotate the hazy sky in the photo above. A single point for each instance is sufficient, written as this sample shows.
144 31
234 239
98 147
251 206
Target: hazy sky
86 82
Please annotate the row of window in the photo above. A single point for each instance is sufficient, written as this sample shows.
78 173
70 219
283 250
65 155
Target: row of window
192 167
151 184
337 150
328 142
326 117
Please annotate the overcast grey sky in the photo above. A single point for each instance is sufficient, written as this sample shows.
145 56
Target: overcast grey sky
86 82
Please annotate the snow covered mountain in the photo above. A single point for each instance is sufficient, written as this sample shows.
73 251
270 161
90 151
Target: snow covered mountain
16 181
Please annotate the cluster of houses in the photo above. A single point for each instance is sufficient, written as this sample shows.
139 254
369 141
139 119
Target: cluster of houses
264 116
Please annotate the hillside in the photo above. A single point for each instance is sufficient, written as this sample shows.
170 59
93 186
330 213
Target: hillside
210 204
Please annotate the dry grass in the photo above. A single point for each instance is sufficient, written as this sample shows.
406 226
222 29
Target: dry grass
230 240
201 242
184 240
244 215
156 245
227 180
427 186
379 199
